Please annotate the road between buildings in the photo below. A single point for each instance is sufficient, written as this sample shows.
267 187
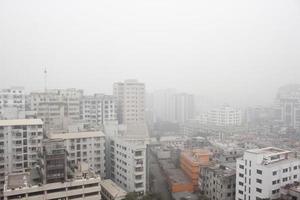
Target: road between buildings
160 185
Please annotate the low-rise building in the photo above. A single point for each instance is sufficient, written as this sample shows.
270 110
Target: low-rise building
111 191
26 185
191 162
85 147
290 191
217 182
260 173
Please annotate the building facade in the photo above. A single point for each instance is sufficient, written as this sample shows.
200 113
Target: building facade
192 161
20 141
85 147
260 173
127 156
98 109
224 116
170 106
12 100
217 182
57 108
83 185
130 96
287 106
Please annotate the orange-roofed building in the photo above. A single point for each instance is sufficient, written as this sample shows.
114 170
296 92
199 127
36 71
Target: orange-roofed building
191 162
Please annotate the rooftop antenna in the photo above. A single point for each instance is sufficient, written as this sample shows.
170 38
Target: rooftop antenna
45 79
47 99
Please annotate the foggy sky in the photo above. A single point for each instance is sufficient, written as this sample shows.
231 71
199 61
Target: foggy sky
239 51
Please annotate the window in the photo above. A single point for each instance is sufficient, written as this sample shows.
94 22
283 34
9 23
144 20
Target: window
241 183
241 166
241 192
275 191
274 173
258 171
241 175
284 179
258 190
273 182
295 176
295 167
285 170
258 180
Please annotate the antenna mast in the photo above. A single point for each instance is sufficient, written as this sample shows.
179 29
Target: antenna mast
45 79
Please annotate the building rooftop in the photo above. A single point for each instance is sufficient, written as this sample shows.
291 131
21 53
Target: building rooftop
18 180
268 151
21 122
195 155
76 135
177 176
23 180
136 130
223 170
112 188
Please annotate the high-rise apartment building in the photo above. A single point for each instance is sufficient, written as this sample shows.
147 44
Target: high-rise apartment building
170 106
12 100
98 109
184 107
86 147
130 96
57 108
20 141
127 156
260 173
164 105
287 106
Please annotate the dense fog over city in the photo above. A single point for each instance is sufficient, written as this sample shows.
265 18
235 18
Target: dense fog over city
232 51
150 99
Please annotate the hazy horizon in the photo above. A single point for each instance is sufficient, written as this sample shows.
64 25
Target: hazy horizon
239 52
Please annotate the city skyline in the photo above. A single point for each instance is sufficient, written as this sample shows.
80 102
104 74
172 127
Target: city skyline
238 51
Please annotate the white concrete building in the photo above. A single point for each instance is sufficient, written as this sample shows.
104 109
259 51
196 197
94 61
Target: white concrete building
111 191
85 147
224 116
98 109
57 108
261 172
20 141
126 156
130 96
12 103
84 185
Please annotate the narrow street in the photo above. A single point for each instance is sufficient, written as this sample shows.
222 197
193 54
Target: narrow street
159 184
